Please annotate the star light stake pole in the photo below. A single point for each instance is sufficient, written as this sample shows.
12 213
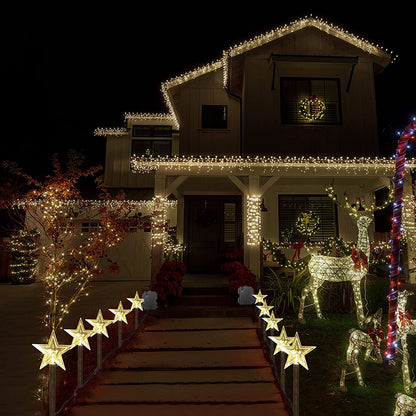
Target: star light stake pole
405 136
80 339
120 317
296 353
52 356
136 304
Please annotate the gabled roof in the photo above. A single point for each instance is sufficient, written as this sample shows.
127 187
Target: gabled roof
265 38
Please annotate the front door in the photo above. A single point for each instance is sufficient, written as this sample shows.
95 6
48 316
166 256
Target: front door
212 226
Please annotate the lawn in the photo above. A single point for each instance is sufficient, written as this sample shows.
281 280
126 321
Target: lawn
320 393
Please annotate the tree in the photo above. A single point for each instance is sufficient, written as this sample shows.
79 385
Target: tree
68 259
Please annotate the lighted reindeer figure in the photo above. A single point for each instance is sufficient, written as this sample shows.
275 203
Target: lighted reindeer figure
405 405
367 341
405 326
342 269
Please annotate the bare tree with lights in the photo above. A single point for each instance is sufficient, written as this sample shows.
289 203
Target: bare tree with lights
70 260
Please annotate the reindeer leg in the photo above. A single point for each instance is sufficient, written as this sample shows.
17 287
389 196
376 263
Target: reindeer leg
342 379
304 294
356 287
314 291
407 382
354 362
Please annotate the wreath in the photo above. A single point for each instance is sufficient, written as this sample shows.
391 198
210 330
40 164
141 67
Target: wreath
312 108
336 247
308 223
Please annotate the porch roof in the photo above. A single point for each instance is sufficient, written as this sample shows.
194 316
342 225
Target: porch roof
266 165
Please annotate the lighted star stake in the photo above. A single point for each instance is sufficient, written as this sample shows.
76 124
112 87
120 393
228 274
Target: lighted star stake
282 341
80 339
52 352
265 309
136 302
259 297
296 355
80 335
272 322
99 324
296 352
120 313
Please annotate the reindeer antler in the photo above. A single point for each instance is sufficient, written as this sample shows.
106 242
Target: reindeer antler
358 205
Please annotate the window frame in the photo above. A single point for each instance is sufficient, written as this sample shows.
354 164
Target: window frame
309 79
152 128
205 127
306 196
151 140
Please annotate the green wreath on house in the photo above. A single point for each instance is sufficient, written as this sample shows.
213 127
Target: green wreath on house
308 223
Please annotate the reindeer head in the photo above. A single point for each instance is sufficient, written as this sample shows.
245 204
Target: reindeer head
363 221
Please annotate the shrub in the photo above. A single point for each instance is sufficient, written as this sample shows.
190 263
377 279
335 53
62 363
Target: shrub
169 280
286 291
238 275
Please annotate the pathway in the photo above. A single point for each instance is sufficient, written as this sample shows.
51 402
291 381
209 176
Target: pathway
201 355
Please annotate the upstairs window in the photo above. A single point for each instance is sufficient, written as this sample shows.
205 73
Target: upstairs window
214 117
151 147
313 101
151 131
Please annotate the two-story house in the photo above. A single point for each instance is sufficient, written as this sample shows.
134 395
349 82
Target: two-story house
252 141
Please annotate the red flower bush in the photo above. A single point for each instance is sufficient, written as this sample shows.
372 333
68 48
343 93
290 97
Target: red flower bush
238 275
169 280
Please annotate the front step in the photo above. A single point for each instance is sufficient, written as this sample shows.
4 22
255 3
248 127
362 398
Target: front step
205 300
204 311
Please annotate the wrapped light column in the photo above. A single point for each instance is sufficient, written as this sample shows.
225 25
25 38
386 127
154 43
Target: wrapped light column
159 221
408 134
253 220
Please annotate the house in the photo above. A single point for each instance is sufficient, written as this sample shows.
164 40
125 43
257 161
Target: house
251 142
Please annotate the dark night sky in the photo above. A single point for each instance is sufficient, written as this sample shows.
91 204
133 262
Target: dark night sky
69 70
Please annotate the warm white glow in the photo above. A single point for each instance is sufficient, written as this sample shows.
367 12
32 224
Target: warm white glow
272 322
282 341
340 269
52 352
99 324
136 302
120 314
296 352
253 220
80 335
259 297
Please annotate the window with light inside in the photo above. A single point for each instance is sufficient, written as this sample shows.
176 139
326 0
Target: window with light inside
310 101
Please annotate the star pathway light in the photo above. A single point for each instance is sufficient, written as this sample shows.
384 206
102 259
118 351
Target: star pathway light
99 324
120 314
282 341
80 335
272 322
296 352
136 302
259 297
265 309
52 352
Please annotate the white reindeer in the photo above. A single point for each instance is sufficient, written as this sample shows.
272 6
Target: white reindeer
405 405
405 326
368 341
343 269
340 269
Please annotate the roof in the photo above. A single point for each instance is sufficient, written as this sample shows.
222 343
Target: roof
248 45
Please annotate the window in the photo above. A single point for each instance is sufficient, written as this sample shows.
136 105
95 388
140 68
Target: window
310 101
90 226
214 117
151 147
151 131
291 206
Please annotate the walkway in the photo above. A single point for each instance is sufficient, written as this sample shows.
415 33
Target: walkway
201 355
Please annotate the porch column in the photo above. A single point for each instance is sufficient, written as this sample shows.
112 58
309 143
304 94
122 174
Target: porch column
252 235
158 225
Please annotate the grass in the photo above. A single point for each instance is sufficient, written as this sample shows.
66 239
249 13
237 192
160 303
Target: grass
320 393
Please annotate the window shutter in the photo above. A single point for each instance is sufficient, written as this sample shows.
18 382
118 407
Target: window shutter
230 222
